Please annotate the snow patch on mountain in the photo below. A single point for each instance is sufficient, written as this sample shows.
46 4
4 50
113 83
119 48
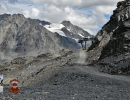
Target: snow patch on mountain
81 35
76 40
55 28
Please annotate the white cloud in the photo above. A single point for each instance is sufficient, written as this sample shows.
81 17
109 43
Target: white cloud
26 13
77 3
13 1
88 14
80 19
2 7
33 13
105 9
52 13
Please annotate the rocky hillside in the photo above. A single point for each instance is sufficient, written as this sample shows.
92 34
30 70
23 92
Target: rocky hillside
61 78
111 46
35 70
20 36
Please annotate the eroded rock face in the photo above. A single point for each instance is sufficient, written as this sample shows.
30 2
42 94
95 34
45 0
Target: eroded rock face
112 43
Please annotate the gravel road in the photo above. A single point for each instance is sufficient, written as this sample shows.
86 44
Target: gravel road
76 82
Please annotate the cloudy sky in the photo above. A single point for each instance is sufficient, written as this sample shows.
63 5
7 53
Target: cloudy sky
91 15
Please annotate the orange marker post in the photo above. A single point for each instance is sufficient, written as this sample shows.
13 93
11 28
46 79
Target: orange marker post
14 86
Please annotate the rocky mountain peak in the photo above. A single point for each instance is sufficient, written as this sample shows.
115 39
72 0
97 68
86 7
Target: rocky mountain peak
67 29
17 15
4 16
39 21
66 23
23 37
75 30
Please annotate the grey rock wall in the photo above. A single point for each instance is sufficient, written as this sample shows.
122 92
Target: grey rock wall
110 48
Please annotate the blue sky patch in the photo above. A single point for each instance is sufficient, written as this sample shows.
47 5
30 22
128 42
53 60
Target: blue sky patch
107 16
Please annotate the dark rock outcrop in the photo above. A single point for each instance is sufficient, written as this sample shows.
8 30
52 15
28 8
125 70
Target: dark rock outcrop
39 21
4 16
111 47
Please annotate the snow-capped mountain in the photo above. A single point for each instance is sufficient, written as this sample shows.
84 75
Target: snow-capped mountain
67 29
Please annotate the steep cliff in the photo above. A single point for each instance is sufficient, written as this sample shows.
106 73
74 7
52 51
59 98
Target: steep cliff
111 46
